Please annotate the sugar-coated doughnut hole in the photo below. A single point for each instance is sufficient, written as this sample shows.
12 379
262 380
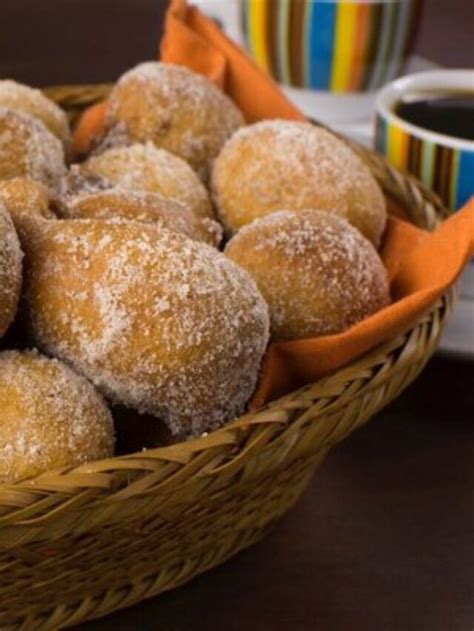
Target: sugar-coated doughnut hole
318 274
10 270
176 109
146 168
26 200
282 164
50 417
29 149
146 207
159 323
18 96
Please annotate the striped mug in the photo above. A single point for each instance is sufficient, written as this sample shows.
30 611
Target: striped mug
320 49
332 45
444 163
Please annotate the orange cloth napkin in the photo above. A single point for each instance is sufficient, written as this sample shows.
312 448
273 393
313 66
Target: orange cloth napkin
90 125
421 265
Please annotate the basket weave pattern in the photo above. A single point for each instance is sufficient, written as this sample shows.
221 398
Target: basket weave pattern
80 543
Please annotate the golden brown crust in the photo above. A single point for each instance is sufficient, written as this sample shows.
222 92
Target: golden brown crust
318 274
18 96
10 270
51 417
26 200
176 109
281 164
29 149
146 168
145 207
155 320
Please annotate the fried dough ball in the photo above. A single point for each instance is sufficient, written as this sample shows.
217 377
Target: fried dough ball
26 200
29 149
143 167
159 323
79 181
146 207
175 109
17 96
318 274
51 417
10 270
281 164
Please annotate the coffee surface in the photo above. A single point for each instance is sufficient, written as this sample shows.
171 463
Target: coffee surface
450 113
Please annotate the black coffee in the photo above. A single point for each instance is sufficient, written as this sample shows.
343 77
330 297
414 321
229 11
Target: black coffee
450 113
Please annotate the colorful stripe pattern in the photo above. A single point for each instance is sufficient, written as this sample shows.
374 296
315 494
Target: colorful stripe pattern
447 171
339 45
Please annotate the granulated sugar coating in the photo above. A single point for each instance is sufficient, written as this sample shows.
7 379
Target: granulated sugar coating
29 149
145 207
80 181
175 109
281 164
17 96
50 417
26 200
158 322
318 274
10 270
146 168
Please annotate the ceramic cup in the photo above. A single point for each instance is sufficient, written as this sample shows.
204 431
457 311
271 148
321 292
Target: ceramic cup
444 163
330 56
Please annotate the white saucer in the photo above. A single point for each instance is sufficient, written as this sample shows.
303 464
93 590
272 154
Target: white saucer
345 110
458 337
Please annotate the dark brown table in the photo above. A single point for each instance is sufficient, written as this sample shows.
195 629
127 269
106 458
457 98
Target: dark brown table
383 539
85 41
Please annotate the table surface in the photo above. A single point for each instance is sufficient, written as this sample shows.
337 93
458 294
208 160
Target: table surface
381 541
383 537
87 41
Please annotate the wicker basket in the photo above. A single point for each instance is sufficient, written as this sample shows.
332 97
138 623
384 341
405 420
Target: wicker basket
80 543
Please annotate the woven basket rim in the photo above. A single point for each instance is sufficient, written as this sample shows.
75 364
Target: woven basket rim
181 452
427 209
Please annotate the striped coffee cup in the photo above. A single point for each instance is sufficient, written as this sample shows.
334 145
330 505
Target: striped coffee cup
330 45
444 163
340 46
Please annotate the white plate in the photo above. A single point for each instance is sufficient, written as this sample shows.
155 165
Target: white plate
458 337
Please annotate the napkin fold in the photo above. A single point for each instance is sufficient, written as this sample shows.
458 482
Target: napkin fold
421 265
